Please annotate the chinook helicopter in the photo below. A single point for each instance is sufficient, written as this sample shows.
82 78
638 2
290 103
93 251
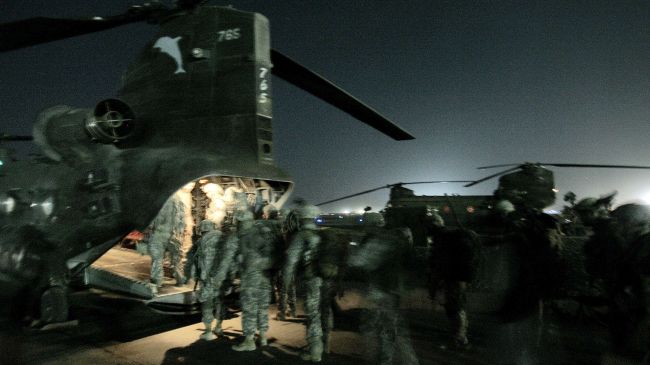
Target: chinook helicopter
531 184
528 184
196 103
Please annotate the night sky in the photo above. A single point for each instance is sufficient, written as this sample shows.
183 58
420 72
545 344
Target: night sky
477 82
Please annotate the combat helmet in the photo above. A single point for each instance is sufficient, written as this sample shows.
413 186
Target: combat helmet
504 207
307 214
633 219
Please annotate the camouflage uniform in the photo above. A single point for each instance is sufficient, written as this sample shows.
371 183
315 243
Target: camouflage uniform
257 253
285 299
166 236
537 242
214 257
301 257
331 263
619 255
452 266
380 255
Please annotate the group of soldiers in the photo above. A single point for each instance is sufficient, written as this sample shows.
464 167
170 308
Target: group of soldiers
278 253
280 250
616 259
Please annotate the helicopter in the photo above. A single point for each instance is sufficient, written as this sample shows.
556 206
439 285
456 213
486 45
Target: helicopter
196 103
531 184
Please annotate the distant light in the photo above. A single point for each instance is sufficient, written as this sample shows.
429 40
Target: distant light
319 220
556 190
353 244
98 18
346 211
646 199
1 163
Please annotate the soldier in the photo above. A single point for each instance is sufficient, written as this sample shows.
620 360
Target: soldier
286 302
619 254
452 266
257 254
301 257
331 263
381 256
166 235
213 260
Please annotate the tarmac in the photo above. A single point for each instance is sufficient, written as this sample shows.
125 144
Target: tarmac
113 329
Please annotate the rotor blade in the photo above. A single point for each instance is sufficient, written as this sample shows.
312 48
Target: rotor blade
395 184
596 166
33 31
492 176
353 195
434 182
502 165
8 137
296 74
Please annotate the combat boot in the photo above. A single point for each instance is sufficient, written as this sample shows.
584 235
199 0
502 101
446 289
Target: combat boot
247 345
263 340
208 336
207 332
218 330
315 350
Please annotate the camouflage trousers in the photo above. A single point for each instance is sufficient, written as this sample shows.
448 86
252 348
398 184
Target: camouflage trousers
255 299
313 306
286 299
212 309
157 252
385 330
328 293
455 303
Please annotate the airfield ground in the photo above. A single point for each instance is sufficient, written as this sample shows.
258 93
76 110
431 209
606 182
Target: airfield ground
118 330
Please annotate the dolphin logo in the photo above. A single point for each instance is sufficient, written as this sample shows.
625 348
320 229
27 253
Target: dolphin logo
170 47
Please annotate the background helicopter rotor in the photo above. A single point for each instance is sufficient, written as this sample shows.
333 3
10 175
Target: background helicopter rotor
542 164
390 186
11 138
